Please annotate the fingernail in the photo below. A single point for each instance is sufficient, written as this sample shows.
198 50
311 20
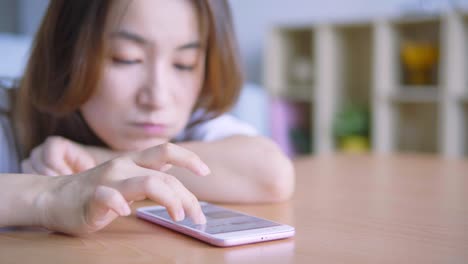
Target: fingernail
166 167
180 215
204 170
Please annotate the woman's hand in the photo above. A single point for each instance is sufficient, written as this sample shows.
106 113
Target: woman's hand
90 200
58 156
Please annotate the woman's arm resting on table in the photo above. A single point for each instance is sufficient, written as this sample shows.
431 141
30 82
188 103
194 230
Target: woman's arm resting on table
244 169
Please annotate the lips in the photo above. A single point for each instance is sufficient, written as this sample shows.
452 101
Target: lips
148 128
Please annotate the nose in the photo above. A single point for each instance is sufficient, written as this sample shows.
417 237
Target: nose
155 90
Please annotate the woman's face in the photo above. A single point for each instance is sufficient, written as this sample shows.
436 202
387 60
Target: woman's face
152 76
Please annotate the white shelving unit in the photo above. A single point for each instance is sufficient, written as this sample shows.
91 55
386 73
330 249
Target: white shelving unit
453 134
367 63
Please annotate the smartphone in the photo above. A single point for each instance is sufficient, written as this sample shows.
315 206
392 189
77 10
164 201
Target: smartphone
223 228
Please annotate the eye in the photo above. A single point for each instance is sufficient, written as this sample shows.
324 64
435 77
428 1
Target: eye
124 61
183 67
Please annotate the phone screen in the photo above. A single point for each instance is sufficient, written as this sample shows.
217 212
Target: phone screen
219 220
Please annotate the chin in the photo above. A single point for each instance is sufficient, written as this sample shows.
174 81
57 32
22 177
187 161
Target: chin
148 144
131 143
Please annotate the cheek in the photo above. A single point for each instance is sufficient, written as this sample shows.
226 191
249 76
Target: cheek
109 102
186 98
191 87
114 91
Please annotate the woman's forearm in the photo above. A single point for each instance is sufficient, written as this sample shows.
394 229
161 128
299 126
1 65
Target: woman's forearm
19 193
244 169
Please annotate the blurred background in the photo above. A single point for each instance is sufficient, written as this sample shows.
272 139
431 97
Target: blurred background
340 75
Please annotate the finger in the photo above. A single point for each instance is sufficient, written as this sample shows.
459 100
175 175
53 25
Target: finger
78 159
157 157
53 156
38 165
41 169
142 187
105 205
190 203
27 168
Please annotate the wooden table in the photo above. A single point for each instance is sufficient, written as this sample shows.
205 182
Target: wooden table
346 209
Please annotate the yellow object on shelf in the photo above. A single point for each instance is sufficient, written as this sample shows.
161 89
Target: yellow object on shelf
354 144
419 60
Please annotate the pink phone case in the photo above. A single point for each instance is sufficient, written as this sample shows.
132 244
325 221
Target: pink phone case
270 233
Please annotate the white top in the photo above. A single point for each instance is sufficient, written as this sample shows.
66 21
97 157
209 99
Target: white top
218 128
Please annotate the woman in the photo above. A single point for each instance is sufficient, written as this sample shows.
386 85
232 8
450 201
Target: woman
111 77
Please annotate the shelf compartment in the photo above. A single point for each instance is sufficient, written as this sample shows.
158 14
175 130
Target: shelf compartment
417 127
290 58
354 77
355 61
300 64
419 45
292 126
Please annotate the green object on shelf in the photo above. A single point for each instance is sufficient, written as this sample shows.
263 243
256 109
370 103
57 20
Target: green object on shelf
351 123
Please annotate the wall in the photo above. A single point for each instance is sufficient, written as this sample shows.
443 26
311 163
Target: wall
8 17
30 12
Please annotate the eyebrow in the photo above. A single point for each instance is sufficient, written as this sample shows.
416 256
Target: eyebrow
191 45
142 41
130 36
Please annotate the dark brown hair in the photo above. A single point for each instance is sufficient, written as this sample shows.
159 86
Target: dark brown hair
66 63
